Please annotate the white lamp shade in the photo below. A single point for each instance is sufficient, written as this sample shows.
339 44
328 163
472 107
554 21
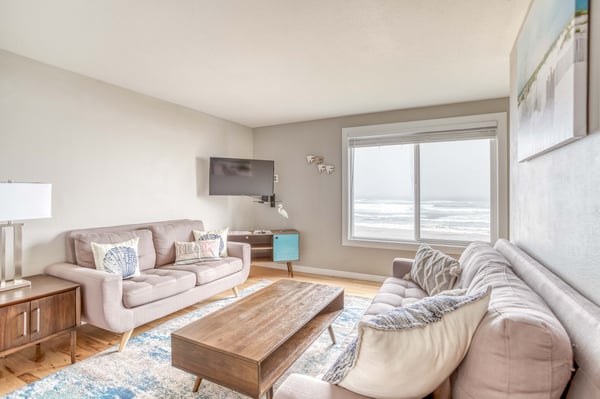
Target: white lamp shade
22 201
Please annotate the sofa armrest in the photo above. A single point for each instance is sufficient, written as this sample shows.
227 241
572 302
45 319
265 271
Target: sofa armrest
401 267
298 386
239 250
79 274
101 295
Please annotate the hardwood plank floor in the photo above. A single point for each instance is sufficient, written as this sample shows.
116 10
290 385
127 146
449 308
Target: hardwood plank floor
22 368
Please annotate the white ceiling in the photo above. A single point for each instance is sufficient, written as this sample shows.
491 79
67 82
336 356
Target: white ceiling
266 62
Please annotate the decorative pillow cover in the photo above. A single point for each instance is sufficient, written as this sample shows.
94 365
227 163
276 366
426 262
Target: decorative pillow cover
213 235
433 270
197 251
409 351
119 258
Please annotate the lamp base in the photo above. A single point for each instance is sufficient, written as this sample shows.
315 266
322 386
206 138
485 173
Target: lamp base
14 284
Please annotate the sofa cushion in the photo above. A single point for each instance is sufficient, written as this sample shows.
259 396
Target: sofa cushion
298 386
393 293
433 270
83 246
520 349
409 351
166 233
154 284
209 271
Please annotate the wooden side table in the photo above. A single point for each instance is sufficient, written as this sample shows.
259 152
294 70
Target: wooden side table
31 315
272 246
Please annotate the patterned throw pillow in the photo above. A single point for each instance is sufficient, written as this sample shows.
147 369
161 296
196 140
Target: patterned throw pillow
213 235
120 258
433 270
409 351
197 251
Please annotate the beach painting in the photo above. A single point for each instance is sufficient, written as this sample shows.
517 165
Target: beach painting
551 63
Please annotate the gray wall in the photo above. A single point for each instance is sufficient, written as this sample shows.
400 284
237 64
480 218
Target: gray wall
112 156
314 200
555 198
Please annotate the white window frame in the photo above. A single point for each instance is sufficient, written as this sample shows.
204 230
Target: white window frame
444 129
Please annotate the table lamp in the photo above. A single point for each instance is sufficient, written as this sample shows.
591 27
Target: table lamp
19 201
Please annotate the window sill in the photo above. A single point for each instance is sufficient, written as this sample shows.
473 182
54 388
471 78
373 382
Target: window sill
412 246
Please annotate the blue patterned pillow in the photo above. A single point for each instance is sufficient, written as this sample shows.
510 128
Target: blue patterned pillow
119 258
213 235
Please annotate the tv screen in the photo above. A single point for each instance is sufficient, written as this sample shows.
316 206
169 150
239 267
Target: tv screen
234 176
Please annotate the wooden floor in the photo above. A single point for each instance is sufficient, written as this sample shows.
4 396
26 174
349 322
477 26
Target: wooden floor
22 368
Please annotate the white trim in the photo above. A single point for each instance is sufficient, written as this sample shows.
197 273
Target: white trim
417 190
456 123
324 272
446 126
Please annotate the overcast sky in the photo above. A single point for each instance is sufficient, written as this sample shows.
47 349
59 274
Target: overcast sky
449 171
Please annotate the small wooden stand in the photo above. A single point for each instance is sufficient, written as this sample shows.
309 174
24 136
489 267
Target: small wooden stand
31 315
272 246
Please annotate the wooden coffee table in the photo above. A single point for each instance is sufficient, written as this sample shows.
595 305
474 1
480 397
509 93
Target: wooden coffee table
249 344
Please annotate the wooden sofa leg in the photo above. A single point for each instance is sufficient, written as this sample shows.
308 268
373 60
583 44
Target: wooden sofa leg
197 384
235 292
124 339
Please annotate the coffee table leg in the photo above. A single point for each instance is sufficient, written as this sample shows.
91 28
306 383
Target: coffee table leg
331 334
197 384
270 393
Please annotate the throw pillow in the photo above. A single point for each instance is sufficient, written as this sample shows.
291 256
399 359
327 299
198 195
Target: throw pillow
213 235
119 258
197 251
433 270
409 351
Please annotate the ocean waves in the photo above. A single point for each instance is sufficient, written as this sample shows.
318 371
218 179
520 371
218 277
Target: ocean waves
444 220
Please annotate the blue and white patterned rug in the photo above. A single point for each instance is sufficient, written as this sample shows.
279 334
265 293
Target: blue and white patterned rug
144 369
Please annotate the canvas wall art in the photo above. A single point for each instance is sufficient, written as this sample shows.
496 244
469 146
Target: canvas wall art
552 59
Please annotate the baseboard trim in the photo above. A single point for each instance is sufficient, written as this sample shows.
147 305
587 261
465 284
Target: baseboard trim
324 272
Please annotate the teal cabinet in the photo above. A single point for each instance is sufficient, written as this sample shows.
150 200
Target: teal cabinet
286 247
275 246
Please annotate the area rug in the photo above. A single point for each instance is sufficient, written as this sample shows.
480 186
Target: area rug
144 369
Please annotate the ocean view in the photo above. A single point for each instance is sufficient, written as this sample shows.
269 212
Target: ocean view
394 219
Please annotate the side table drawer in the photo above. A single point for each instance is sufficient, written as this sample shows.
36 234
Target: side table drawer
285 247
53 314
14 326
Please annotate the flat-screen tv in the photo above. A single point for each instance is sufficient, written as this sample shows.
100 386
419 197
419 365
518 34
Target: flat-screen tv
235 176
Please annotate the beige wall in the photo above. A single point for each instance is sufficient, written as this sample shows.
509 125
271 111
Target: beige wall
314 201
112 156
555 198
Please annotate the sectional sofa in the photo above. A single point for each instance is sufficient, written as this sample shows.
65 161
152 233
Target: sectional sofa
119 305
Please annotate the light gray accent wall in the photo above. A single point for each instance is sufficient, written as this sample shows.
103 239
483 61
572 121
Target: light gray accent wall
314 201
113 156
555 198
